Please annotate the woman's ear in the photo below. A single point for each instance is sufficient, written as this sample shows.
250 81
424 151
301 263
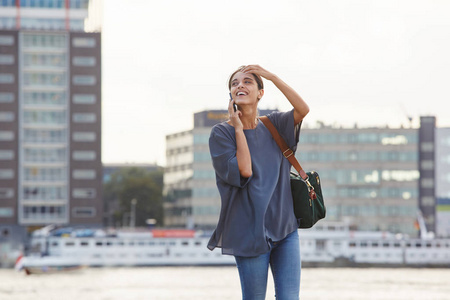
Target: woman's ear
260 94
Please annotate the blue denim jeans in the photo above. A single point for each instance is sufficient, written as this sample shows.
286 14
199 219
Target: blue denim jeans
284 261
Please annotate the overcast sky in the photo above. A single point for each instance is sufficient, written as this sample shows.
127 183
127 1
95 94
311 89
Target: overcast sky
370 62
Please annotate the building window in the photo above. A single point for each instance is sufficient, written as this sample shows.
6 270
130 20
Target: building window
6 136
44 117
427 201
6 193
84 80
427 147
49 60
83 212
84 137
6 154
45 79
84 61
45 98
86 42
45 135
6 174
83 174
6 59
84 99
427 164
6 212
6 78
84 155
427 183
6 116
6 40
84 193
84 118
6 97
57 41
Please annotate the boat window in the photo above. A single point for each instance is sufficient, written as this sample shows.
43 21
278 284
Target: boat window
131 243
84 243
385 245
141 243
98 244
184 243
121 243
374 244
397 245
418 245
352 244
162 243
69 244
198 243
151 243
109 243
172 243
55 244
428 245
363 244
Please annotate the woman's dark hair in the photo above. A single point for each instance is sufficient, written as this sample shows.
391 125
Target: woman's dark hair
258 79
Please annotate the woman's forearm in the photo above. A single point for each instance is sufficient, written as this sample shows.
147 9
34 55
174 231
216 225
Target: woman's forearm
301 109
243 154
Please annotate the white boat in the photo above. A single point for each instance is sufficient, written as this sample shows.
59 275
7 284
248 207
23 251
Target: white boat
325 244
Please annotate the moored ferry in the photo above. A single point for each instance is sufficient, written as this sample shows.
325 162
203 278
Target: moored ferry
326 244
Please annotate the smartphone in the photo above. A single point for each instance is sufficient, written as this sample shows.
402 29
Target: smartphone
234 104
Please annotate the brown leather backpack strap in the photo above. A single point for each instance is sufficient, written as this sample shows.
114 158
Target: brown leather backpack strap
287 152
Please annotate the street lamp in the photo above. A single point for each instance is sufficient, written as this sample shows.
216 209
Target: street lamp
133 213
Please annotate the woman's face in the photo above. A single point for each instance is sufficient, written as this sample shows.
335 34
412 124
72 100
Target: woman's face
244 89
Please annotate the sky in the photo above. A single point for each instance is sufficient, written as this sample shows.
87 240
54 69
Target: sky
364 62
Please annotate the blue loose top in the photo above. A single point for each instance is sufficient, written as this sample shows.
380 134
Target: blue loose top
257 209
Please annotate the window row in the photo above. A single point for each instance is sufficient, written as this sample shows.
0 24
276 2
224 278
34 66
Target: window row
58 41
45 79
80 4
44 174
45 212
46 60
404 193
44 192
49 98
45 155
56 117
348 156
45 135
45 98
371 210
393 138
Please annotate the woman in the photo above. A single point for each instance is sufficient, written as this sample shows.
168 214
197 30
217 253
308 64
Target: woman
257 223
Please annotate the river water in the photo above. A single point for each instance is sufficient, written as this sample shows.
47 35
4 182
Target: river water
222 283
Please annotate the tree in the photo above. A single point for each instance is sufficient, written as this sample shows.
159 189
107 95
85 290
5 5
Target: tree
135 183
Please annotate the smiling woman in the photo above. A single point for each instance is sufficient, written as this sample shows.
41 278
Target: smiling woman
253 181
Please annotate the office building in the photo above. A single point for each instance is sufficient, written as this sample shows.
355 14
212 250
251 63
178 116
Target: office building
442 174
50 113
373 178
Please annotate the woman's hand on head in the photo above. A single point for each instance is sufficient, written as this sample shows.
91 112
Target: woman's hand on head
258 70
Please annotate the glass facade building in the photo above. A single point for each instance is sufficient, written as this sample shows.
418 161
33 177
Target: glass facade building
50 114
372 177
